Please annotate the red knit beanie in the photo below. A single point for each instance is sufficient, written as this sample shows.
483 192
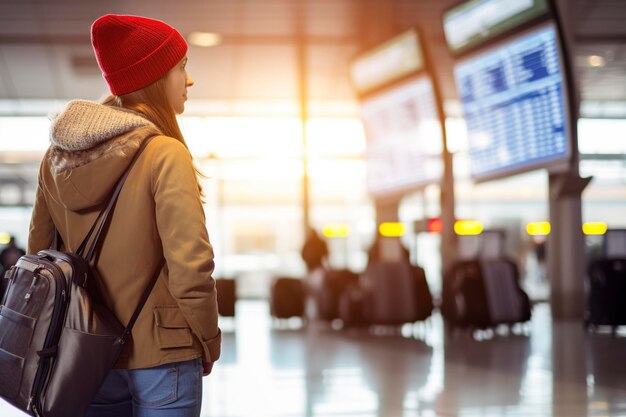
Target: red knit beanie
134 51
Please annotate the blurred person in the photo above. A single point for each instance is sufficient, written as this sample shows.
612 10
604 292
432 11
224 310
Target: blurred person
10 254
539 248
387 249
314 251
158 215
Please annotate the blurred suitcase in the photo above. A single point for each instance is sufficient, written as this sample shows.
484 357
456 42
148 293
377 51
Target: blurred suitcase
485 293
393 292
287 298
334 284
4 284
422 294
226 296
507 301
607 292
350 307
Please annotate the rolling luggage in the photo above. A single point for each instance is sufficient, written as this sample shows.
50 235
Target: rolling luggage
287 298
606 304
485 293
327 296
395 293
423 295
350 308
4 283
226 296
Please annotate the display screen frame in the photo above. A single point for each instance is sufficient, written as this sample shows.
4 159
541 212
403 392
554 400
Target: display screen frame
538 14
558 163
398 74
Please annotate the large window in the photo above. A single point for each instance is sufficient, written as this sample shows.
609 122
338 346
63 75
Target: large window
253 186
255 169
602 146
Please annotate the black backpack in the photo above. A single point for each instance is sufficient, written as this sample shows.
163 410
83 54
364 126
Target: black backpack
58 341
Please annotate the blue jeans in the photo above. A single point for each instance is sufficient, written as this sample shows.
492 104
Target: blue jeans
170 390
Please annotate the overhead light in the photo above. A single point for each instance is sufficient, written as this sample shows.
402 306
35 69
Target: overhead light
595 61
204 39
468 227
336 230
538 228
391 229
594 228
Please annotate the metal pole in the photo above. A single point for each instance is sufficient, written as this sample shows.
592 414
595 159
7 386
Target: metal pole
301 50
565 246
449 250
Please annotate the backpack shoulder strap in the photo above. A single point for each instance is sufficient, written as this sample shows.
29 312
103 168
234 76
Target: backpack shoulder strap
103 217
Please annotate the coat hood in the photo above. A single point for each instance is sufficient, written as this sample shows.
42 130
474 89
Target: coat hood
91 146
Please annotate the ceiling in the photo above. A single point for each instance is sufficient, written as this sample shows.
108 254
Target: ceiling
45 52
46 56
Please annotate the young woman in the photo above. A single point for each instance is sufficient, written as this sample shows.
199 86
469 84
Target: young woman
158 215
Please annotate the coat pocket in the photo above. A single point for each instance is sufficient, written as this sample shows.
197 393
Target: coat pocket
172 329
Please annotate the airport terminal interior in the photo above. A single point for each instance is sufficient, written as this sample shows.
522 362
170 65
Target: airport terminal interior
416 206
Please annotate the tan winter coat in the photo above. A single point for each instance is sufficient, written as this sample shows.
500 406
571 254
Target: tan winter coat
159 214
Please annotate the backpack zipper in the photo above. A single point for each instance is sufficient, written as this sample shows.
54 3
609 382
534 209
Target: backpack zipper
29 293
52 337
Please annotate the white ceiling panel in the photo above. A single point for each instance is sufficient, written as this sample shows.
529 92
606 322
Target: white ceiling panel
266 72
212 71
330 18
3 87
328 72
600 17
265 17
16 17
5 90
28 71
76 79
243 72
40 40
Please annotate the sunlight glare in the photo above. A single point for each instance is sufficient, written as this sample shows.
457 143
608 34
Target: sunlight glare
335 137
244 137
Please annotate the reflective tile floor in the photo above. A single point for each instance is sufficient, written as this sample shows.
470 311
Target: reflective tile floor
285 370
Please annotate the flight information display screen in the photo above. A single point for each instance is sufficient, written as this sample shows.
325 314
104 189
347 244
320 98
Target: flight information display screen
404 138
514 103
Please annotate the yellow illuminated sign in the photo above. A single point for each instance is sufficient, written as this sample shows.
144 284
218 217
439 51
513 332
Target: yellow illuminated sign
4 238
391 229
538 228
468 227
594 228
336 230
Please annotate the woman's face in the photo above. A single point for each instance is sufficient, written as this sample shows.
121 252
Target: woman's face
176 83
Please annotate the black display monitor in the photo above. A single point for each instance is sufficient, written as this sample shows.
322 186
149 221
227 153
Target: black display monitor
515 104
404 138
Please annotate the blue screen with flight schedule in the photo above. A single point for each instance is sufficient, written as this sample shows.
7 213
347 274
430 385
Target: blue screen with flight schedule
514 105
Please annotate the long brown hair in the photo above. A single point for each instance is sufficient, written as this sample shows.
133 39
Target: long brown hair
152 102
